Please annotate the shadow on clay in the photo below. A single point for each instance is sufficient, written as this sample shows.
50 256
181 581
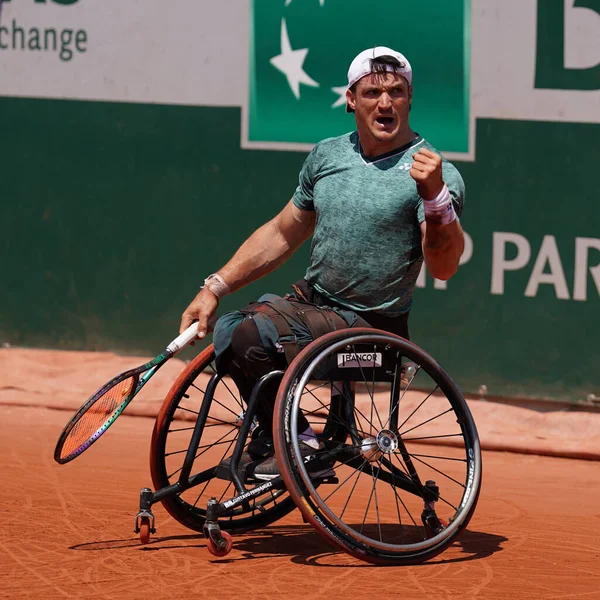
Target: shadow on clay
302 544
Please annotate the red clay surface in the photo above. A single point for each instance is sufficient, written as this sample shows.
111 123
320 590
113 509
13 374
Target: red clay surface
66 531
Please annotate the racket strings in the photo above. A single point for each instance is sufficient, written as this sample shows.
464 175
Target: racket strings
97 416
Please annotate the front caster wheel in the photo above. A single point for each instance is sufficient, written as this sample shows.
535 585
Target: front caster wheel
217 550
144 530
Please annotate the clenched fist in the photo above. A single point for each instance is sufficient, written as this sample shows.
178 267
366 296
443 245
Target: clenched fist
426 170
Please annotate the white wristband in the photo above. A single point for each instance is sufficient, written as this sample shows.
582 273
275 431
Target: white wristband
216 284
440 209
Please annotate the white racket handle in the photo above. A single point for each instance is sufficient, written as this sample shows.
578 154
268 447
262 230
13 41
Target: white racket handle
181 341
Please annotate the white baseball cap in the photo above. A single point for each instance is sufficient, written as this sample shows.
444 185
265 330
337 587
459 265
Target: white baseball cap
361 65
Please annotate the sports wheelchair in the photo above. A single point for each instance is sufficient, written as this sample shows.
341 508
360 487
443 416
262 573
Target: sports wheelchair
394 428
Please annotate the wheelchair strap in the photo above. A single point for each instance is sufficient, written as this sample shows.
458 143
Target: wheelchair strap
265 318
287 315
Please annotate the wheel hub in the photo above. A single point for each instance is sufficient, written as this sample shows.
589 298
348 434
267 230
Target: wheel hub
387 441
373 448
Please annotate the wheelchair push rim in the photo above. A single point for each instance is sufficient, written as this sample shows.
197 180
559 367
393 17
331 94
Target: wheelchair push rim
317 505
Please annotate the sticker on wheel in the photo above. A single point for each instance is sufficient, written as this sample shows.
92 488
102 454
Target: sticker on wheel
355 360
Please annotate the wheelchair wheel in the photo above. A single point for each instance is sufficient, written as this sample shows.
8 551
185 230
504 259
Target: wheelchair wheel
396 438
170 441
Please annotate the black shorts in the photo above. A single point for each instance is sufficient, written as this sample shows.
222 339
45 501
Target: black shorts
398 325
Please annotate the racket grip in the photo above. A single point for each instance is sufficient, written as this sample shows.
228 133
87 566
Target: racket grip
180 342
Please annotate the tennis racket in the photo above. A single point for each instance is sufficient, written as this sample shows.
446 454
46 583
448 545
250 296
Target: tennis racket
102 409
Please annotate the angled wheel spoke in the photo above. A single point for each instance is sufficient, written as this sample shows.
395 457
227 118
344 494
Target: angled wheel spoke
224 492
327 413
205 450
425 422
194 412
206 484
370 423
403 392
438 457
419 527
350 494
213 444
176 452
323 410
322 453
399 499
373 406
330 414
235 433
377 502
339 486
462 485
348 397
218 401
448 503
359 426
369 502
183 429
416 409
403 467
219 422
396 499
201 493
234 396
431 437
318 387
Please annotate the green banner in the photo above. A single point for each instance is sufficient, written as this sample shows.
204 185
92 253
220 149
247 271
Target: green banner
301 50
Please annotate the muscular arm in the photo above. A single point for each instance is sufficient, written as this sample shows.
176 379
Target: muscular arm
443 246
267 248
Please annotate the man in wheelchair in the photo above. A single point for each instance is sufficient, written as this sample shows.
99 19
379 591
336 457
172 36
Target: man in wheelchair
377 202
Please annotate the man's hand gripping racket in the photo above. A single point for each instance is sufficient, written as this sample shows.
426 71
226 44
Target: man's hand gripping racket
103 408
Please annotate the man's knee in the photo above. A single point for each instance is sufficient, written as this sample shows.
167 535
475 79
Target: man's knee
248 350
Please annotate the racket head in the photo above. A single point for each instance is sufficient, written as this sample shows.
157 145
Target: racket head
96 415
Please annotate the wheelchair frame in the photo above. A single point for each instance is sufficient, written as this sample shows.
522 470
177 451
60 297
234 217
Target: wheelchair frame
220 542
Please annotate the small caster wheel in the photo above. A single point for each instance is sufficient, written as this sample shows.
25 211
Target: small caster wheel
215 550
144 530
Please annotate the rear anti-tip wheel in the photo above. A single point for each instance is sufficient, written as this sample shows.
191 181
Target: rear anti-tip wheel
144 530
218 551
434 526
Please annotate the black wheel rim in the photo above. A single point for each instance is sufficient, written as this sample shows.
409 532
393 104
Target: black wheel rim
390 522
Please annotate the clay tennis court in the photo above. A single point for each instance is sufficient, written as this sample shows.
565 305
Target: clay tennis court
67 531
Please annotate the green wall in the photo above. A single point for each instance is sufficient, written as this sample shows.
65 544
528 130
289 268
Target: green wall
111 215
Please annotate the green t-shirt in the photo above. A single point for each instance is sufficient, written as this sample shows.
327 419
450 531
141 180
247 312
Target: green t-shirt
366 250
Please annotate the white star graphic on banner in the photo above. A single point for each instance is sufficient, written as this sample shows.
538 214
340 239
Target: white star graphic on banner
290 62
341 101
321 2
